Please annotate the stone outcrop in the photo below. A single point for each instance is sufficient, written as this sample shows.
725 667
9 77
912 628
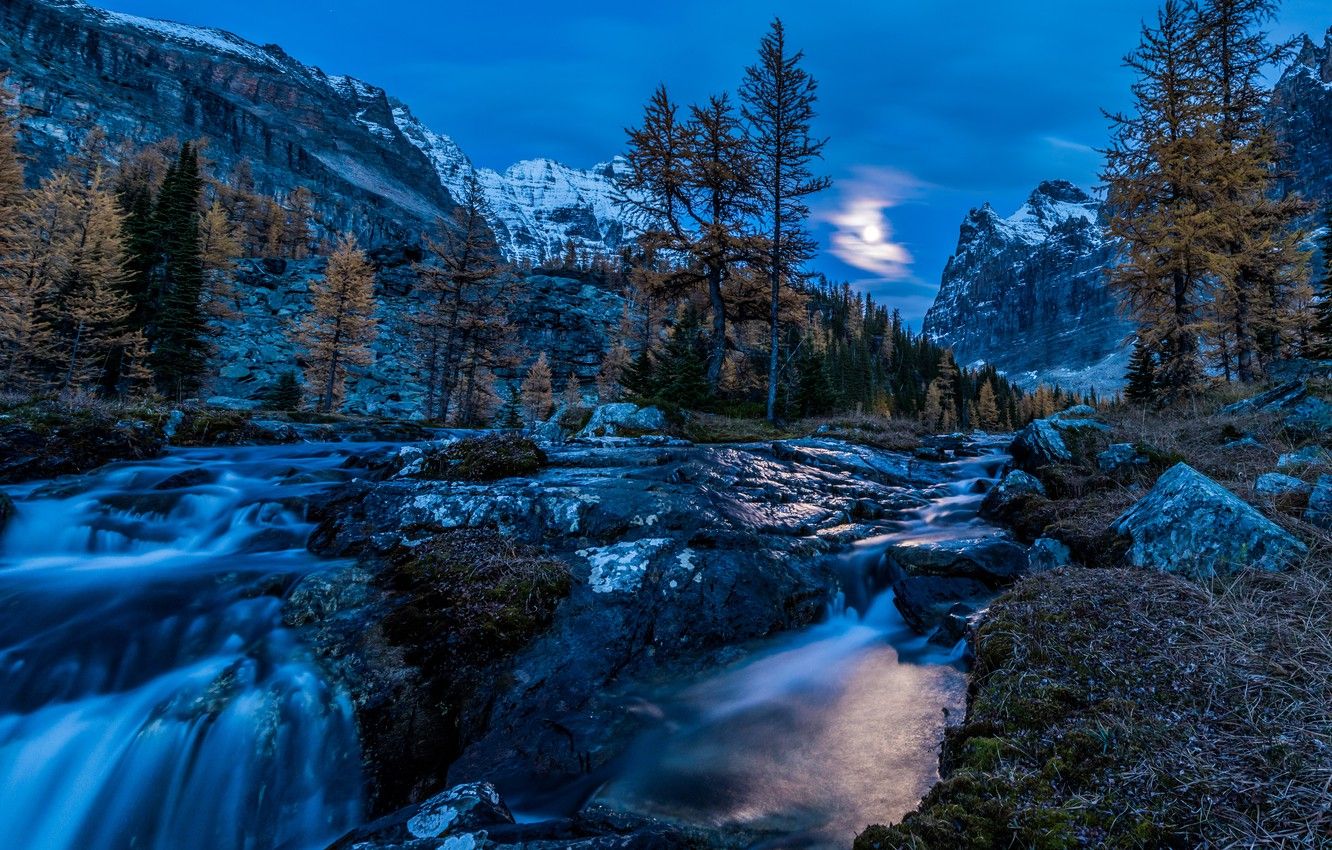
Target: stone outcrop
1190 525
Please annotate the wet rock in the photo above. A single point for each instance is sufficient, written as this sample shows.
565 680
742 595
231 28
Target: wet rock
1039 445
1319 511
188 478
1019 502
1189 524
927 579
7 510
623 420
1274 484
68 445
1121 458
456 819
1307 456
1049 554
956 623
994 561
1077 411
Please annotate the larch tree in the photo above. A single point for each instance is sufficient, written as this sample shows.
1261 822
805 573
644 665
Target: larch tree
341 326
778 97
219 248
18 306
94 309
987 408
610 377
572 397
38 275
537 393
296 231
1261 263
1158 176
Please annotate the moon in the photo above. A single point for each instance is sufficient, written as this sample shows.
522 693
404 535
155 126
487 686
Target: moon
873 233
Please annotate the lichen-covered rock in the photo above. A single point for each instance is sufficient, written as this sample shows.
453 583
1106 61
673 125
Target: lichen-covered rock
1039 445
1049 554
1319 511
623 420
1281 397
1120 458
1275 484
457 819
1189 524
1307 456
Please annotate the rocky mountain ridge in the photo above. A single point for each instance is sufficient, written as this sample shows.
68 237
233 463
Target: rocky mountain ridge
1027 293
371 164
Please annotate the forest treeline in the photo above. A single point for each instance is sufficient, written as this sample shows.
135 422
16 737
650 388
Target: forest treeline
1214 267
119 274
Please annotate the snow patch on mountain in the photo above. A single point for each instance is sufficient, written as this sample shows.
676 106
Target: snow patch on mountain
1028 294
537 206
201 37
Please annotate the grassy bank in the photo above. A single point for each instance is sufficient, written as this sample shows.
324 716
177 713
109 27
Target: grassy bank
1124 708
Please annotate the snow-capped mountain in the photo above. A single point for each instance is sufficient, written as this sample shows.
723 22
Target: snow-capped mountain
538 206
1302 112
372 165
1027 293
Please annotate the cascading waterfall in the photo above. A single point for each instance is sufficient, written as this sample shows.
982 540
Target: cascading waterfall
150 696
822 731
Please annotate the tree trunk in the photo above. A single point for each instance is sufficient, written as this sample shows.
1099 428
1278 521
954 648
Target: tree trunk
774 315
718 357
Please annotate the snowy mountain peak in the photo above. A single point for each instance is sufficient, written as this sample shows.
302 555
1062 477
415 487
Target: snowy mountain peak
1314 60
1050 206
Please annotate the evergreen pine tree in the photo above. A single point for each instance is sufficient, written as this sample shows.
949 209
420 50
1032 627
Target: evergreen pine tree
1141 378
180 350
511 414
682 371
640 379
285 393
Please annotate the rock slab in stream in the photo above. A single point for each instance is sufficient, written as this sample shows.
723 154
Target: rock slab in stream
1190 525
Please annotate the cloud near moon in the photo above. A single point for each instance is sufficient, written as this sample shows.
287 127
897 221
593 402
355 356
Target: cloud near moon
863 234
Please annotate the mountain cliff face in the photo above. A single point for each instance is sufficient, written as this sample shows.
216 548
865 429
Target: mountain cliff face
372 165
1027 293
1302 111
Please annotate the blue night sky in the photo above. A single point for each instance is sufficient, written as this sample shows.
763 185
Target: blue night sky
930 108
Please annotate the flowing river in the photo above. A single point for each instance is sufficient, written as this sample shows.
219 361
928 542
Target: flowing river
151 698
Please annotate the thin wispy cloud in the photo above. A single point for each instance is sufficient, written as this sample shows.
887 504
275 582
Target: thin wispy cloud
1068 145
863 234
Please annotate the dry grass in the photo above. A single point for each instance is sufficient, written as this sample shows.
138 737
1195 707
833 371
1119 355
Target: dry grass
1128 708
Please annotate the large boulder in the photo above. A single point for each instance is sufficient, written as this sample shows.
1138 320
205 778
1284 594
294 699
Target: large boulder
929 579
1019 502
1039 445
1122 458
1276 485
1190 525
1282 397
624 420
460 815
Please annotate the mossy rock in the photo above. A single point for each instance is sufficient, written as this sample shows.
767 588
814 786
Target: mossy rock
487 458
